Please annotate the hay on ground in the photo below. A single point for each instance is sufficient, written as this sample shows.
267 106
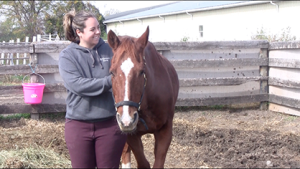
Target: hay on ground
32 157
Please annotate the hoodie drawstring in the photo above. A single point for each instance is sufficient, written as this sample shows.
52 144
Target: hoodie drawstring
99 59
92 56
93 65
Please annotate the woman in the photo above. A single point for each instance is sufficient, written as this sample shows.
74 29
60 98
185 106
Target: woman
92 134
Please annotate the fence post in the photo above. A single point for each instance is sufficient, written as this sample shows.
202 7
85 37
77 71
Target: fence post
49 36
2 55
57 38
263 71
11 55
39 36
7 57
18 55
25 54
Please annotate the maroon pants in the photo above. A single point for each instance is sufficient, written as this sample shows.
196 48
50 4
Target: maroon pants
93 145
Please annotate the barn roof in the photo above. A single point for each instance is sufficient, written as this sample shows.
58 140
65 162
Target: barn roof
134 11
176 8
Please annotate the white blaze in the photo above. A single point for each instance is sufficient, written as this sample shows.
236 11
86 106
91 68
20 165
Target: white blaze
126 67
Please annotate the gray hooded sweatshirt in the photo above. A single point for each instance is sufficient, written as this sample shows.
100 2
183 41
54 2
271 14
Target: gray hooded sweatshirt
86 77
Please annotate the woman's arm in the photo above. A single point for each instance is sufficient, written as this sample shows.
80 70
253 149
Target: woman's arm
78 84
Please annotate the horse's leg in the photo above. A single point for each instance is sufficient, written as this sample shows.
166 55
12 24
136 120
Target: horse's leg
126 157
136 145
163 139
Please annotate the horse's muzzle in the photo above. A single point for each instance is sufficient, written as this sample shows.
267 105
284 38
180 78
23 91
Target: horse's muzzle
129 127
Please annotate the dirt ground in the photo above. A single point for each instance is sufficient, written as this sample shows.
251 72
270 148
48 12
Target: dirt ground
201 138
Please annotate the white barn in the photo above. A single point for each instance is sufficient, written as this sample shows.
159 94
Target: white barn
208 20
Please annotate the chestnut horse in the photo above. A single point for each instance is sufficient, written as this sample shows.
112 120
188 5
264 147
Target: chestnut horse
145 88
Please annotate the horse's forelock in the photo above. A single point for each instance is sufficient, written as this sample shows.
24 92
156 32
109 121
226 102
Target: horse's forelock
128 45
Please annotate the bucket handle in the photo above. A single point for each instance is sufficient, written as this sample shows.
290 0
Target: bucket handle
35 74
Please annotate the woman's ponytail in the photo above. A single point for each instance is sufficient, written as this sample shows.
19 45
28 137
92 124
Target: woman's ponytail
68 29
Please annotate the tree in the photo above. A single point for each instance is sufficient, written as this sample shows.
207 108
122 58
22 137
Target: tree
54 21
29 18
6 31
24 18
111 12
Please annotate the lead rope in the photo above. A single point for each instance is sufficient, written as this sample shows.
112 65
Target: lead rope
33 70
143 121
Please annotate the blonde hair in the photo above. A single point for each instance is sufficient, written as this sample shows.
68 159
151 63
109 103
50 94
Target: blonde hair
74 21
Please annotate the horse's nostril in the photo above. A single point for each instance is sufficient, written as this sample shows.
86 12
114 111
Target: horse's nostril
136 116
118 116
118 119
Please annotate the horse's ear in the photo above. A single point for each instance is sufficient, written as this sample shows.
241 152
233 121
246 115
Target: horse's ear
113 40
143 40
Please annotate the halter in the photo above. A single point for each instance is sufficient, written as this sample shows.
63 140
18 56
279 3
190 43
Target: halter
131 103
134 104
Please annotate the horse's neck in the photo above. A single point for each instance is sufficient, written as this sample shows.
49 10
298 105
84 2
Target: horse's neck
154 61
155 69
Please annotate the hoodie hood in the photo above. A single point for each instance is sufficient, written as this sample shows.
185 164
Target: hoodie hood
92 52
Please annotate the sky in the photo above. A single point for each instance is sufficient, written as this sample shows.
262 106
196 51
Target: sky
122 6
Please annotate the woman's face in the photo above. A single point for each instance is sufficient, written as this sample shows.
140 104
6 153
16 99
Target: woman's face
91 33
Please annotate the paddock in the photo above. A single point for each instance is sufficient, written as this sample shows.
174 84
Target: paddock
257 80
202 138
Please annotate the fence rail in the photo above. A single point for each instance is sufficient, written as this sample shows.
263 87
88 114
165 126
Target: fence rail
210 73
284 83
16 53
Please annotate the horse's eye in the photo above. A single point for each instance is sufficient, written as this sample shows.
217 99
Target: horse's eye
142 72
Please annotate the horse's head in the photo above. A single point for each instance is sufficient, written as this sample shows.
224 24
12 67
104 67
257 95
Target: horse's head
128 77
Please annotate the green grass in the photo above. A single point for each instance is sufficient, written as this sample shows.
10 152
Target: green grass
15 116
46 116
8 80
218 107
53 116
291 118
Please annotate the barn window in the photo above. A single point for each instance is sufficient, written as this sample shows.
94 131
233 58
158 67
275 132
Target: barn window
201 30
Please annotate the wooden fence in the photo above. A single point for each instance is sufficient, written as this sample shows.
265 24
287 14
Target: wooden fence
219 73
284 77
13 58
210 73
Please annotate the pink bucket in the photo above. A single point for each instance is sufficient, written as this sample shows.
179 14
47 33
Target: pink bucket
33 92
